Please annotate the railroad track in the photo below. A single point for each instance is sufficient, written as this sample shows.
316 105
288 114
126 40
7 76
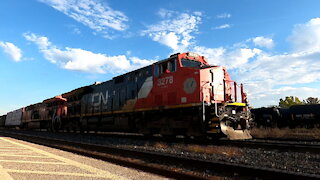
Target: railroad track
285 145
168 165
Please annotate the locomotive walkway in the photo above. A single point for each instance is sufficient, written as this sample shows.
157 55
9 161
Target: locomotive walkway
23 160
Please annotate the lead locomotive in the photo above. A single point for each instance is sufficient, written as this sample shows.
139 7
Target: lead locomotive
180 95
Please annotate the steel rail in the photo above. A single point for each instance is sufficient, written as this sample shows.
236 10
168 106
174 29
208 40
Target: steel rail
142 160
287 145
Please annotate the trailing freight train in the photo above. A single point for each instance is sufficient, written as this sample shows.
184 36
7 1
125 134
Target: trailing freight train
180 95
307 116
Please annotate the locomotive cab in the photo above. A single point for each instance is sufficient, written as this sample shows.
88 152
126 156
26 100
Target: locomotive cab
187 79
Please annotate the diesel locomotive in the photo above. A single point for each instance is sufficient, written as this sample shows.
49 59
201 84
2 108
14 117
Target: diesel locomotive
180 95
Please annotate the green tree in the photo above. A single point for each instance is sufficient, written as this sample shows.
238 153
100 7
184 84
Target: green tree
289 101
312 100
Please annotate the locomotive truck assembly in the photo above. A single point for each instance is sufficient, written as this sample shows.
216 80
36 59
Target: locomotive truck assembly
180 95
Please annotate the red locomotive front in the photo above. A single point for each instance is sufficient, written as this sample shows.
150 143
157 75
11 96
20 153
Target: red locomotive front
197 95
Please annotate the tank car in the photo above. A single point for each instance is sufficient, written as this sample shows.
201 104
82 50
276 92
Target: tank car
13 118
266 117
307 116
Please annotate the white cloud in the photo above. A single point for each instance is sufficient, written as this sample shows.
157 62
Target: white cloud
169 39
269 77
223 16
165 13
263 42
137 62
94 14
272 96
42 41
231 58
214 55
224 26
175 30
284 69
12 50
82 60
306 37
267 73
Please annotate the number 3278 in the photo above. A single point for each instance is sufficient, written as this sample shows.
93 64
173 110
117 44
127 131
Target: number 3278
165 81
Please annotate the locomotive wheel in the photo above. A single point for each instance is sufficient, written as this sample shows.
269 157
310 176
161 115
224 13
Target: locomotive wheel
49 126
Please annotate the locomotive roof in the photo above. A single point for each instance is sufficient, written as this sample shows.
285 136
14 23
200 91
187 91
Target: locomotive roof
87 88
76 92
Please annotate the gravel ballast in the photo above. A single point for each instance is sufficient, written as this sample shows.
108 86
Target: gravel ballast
303 162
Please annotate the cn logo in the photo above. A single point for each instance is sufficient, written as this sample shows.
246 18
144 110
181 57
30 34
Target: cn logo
98 97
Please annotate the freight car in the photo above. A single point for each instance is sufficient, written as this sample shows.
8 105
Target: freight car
266 117
182 94
2 120
307 116
13 118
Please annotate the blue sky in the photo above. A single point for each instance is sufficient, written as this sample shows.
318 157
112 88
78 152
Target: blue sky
48 47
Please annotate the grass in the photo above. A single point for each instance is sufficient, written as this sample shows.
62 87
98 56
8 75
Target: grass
161 145
222 150
287 133
227 151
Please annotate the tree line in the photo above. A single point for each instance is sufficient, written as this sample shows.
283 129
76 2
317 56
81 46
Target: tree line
291 100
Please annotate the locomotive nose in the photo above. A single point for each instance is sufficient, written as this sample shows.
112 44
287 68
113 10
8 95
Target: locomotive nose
234 134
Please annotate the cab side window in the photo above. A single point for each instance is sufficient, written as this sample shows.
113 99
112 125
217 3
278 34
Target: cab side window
171 65
165 67
156 70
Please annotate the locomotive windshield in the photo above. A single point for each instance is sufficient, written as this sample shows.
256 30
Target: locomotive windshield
191 63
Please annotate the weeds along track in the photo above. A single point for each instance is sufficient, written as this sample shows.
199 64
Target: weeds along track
168 165
285 145
295 134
